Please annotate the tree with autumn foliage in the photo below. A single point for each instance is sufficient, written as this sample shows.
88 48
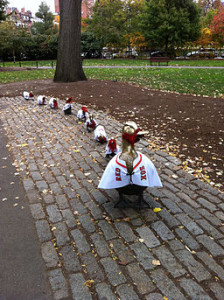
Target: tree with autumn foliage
217 27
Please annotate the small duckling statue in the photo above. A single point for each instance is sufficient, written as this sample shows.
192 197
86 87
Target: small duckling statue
111 148
130 172
53 103
68 106
41 100
100 134
90 123
82 114
28 95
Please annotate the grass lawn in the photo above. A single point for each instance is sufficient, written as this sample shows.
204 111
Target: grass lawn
207 82
120 62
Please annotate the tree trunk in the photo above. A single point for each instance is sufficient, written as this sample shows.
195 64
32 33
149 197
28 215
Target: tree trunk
69 63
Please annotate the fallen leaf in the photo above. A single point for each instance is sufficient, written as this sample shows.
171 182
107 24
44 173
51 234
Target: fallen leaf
156 209
156 262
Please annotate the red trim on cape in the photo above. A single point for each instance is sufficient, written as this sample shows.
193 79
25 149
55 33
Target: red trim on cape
138 163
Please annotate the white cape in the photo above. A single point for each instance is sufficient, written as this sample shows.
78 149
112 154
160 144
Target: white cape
115 174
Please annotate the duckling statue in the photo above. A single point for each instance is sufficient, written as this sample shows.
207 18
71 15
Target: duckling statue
28 95
67 108
82 114
41 100
100 134
90 123
130 172
53 103
111 148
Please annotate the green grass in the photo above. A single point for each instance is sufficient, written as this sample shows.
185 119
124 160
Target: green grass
120 62
208 82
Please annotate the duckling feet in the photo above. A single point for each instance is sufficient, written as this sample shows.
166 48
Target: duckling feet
141 203
122 202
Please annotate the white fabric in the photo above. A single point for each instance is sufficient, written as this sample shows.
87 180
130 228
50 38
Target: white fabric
26 95
51 102
67 106
40 100
108 150
115 174
81 116
100 131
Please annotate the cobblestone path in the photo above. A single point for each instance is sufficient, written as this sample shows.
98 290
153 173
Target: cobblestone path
94 251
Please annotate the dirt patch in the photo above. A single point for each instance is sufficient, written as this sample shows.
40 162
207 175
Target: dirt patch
191 128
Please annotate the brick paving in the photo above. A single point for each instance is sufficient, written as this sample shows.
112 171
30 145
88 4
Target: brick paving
95 251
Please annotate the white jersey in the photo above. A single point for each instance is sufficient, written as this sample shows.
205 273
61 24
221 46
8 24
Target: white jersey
41 100
116 175
67 106
51 102
100 132
81 116
27 95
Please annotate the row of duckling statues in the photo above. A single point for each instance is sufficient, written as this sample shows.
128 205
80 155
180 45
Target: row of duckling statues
129 171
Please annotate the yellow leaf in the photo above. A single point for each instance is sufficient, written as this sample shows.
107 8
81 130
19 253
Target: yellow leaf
89 283
156 262
76 151
24 145
156 209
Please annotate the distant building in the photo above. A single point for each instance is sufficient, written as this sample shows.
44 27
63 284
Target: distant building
85 9
20 18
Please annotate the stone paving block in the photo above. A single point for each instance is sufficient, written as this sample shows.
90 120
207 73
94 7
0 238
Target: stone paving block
137 222
207 204
74 183
69 218
95 210
58 284
61 234
113 272
170 187
86 223
98 196
194 267
78 206
114 213
140 278
93 268
43 230
162 230
42 185
79 290
49 254
28 184
48 199
168 261
62 201
37 211
33 196
167 194
148 216
193 290
190 200
212 231
126 292
53 213
220 215
210 245
209 197
70 259
170 220
80 241
187 239
104 291
107 229
166 285
217 290
211 263
100 244
210 217
36 175
189 224
154 296
149 238
84 195
125 231
170 205
175 245
190 211
122 251
62 181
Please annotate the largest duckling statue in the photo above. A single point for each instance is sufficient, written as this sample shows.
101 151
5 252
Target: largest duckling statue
130 172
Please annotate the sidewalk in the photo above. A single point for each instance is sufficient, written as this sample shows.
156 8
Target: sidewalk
94 251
